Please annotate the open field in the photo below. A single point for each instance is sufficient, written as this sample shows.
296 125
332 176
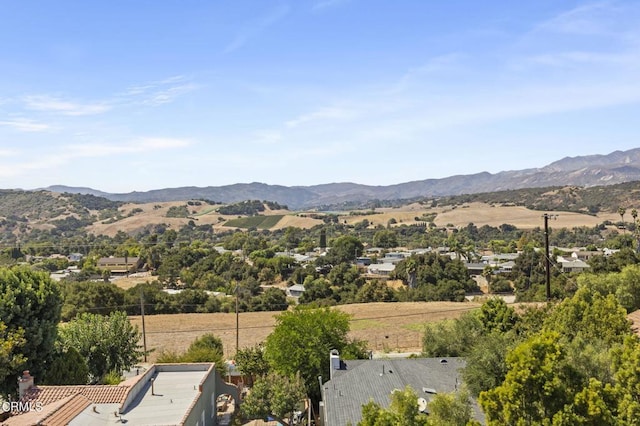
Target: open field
477 213
385 326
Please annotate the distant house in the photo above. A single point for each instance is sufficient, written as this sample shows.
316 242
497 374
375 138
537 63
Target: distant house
572 264
167 394
354 383
75 257
381 268
120 265
295 290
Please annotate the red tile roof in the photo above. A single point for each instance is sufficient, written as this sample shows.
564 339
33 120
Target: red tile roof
97 394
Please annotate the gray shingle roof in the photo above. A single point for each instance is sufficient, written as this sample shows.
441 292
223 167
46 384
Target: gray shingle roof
364 380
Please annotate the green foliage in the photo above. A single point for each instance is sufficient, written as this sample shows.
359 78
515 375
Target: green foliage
251 362
385 238
436 277
495 315
625 285
89 296
590 316
206 348
452 338
30 304
301 342
486 365
274 395
260 222
68 367
178 211
112 378
536 385
445 409
11 359
249 207
109 343
450 409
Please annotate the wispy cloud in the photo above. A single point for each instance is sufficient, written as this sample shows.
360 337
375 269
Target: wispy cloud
66 154
133 146
25 125
322 114
587 19
159 92
324 4
62 106
253 28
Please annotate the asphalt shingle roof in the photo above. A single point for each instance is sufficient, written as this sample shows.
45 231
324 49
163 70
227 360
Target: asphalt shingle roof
361 381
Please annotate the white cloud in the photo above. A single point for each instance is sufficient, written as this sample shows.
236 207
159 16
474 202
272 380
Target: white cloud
25 125
56 105
255 27
159 92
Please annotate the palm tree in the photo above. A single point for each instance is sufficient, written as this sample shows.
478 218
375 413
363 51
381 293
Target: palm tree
621 212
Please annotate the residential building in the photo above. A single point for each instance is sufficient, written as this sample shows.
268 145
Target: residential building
354 383
120 265
165 394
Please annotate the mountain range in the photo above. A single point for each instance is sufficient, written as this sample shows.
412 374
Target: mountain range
583 171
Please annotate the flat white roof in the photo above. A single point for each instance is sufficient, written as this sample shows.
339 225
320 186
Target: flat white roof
173 394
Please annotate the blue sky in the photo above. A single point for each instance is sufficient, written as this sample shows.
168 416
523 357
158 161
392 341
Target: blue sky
139 95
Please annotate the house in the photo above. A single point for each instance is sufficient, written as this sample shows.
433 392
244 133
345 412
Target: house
295 290
167 394
572 264
383 269
120 265
354 383
75 257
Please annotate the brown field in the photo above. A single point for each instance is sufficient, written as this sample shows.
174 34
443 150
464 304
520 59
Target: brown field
477 213
385 326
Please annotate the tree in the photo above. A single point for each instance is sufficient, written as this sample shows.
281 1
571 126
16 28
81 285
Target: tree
275 396
10 357
250 361
67 368
385 238
29 301
301 342
109 343
450 409
206 348
453 337
621 212
535 387
403 410
486 365
446 409
344 249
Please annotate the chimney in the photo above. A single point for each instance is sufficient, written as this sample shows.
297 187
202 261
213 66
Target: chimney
334 357
25 382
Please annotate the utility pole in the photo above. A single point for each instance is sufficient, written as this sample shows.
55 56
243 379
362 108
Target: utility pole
144 332
237 323
547 264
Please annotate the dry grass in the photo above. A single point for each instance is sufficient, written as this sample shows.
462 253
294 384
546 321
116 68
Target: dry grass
477 213
385 326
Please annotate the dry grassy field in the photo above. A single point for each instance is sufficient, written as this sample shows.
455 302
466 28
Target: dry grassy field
387 327
477 213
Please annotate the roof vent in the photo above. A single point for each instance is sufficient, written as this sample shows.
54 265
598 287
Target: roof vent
422 405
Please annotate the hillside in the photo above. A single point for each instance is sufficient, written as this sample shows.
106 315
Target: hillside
25 212
583 171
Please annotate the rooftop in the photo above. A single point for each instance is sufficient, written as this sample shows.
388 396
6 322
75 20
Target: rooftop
361 381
